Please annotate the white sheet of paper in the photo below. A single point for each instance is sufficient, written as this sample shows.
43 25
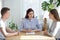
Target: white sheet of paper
31 33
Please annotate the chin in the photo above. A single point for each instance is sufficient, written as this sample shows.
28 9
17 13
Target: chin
6 18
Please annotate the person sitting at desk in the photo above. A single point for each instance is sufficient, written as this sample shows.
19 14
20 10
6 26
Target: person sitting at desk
5 31
29 23
53 15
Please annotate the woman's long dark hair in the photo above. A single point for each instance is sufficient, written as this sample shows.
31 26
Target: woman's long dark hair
54 12
27 12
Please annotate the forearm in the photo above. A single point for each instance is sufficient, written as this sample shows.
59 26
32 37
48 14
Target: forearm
6 34
11 34
9 30
24 30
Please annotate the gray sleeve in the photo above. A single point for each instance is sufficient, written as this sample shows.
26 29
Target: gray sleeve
50 33
2 36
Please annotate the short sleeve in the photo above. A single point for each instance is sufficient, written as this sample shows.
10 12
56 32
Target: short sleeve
2 25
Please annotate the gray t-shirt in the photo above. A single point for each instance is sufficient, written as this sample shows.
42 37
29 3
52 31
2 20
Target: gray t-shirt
52 28
2 36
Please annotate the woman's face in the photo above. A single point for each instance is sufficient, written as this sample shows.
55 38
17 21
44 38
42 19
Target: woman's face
31 14
51 16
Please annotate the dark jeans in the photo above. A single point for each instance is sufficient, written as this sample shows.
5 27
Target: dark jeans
57 38
2 39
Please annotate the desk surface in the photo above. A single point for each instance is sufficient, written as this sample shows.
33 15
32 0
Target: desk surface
36 36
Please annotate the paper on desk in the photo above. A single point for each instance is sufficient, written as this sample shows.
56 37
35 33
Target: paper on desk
30 33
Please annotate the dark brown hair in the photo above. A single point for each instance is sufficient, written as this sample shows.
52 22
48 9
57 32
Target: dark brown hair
4 10
55 14
27 12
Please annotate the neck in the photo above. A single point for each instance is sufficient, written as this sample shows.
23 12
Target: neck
4 19
54 19
30 18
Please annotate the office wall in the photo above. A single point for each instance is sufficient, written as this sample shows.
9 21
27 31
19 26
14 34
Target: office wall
15 10
0 7
18 9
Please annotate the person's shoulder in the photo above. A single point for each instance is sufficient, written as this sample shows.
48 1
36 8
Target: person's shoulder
35 19
58 22
24 19
0 21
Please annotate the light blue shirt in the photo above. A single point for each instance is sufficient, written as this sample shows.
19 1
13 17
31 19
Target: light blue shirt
32 24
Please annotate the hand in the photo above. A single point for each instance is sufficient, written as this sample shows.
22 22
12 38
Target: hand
24 30
29 30
46 32
36 30
16 33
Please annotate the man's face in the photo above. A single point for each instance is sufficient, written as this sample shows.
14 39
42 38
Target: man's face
7 14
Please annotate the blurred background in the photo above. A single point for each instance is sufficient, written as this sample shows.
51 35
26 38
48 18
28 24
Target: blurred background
18 9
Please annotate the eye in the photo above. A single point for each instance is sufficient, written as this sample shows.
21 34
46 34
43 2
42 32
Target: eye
29 14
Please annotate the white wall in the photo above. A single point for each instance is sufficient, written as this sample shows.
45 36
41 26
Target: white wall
58 8
15 10
0 7
19 7
34 4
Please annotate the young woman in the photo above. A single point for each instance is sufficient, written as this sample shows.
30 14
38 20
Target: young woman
30 23
53 15
4 30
